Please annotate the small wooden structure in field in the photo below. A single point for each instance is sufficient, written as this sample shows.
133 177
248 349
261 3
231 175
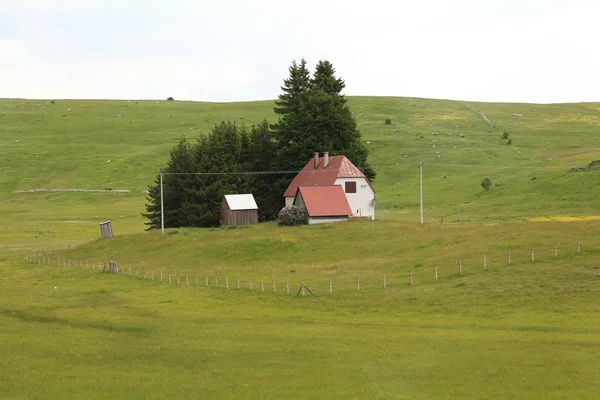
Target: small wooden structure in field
239 209
106 229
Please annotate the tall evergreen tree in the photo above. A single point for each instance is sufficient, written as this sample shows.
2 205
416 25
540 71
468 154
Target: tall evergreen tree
324 79
319 121
293 87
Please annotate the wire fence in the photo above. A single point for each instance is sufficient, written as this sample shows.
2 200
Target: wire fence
365 282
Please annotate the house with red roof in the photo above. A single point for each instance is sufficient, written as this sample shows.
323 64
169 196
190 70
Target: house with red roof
325 172
323 203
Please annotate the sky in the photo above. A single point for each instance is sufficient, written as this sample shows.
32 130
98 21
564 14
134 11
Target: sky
232 50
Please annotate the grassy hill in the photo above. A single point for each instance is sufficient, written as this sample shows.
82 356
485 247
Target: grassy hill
519 330
67 144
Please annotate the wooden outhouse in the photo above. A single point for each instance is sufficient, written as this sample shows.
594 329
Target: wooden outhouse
239 209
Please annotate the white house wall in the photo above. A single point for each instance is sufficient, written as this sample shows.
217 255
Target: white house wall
324 220
361 202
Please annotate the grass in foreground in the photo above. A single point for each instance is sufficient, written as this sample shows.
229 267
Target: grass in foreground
514 331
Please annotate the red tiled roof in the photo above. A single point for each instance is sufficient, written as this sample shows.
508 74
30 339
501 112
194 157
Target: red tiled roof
325 201
339 167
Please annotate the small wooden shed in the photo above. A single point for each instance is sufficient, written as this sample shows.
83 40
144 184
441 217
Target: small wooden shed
239 209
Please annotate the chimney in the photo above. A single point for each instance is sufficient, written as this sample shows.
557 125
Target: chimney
325 159
316 160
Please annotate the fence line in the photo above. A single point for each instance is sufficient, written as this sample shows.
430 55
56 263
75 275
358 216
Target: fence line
46 258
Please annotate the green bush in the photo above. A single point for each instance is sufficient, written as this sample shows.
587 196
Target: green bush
388 121
505 135
486 183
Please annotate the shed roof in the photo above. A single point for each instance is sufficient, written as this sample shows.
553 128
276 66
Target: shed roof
325 201
241 202
339 167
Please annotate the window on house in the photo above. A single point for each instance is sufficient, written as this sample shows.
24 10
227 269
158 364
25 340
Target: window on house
350 187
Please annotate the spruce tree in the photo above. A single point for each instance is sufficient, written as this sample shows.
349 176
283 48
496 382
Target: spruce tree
293 87
320 120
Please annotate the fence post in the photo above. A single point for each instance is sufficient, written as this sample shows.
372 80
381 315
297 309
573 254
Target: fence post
532 255
274 286
330 286
436 274
216 281
226 282
411 277
460 267
484 262
556 250
169 275
302 289
161 278
250 284
508 256
129 269
187 281
262 285
152 275
238 282
384 281
358 284
578 247
206 279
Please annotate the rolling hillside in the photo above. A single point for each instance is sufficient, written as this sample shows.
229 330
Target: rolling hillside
99 144
506 327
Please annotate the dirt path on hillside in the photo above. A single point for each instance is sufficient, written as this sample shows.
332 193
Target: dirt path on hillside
482 116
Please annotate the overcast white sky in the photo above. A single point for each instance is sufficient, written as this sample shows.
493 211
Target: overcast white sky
232 50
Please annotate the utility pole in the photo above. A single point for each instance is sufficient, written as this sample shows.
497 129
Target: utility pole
421 189
162 209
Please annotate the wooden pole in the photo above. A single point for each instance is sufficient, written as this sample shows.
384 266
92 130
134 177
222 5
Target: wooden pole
556 250
274 286
532 255
330 286
262 285
206 280
411 278
302 289
178 283
436 274
578 247
226 282
358 284
460 267
144 274
238 282
508 256
484 262
152 275
287 287
250 284
187 280
384 281
161 278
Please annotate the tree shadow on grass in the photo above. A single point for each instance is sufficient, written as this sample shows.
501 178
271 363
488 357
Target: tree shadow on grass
42 319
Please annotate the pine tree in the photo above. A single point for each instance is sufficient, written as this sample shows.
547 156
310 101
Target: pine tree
319 120
293 87
180 161
324 79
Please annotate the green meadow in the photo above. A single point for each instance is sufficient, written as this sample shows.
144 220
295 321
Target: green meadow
524 329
